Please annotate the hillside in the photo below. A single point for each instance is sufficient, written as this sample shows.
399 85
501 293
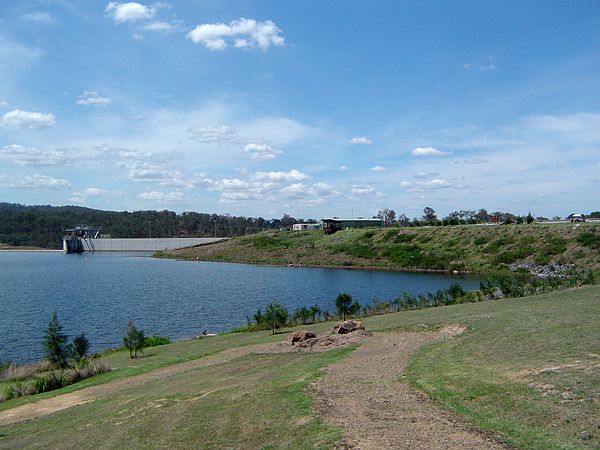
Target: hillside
464 248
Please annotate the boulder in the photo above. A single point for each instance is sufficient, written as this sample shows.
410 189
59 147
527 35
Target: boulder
301 336
348 327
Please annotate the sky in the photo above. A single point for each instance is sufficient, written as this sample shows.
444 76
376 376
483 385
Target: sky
310 108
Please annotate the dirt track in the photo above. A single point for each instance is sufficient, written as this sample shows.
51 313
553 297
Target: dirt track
364 394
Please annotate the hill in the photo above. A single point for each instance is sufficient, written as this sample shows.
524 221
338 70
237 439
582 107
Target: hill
478 249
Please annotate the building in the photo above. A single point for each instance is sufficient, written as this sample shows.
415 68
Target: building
335 224
306 226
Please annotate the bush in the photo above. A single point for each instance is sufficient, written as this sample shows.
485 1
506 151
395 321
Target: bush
133 339
589 239
153 341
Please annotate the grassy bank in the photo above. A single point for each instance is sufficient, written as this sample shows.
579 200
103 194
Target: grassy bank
478 249
526 368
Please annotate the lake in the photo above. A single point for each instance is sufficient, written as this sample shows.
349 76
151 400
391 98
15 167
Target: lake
97 293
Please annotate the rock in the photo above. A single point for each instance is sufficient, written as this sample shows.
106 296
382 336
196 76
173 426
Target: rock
348 327
301 336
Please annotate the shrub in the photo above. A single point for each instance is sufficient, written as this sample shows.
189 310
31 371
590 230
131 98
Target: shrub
589 239
80 348
401 238
153 341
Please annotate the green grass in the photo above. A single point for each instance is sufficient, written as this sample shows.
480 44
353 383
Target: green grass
479 249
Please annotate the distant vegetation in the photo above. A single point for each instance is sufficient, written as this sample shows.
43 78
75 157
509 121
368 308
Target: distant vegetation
42 226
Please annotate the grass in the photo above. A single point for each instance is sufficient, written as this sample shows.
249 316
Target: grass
526 369
479 249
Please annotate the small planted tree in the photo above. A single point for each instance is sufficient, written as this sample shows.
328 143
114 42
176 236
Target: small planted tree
133 339
55 343
275 315
80 348
345 305
315 311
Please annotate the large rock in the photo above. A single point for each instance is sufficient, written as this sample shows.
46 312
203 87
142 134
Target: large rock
301 336
348 327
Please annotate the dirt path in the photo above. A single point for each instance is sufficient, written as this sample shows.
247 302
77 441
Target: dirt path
364 395
64 401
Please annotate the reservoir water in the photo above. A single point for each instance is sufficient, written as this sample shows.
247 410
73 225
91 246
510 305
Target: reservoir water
97 293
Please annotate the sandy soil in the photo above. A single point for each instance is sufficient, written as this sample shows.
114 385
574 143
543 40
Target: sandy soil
365 395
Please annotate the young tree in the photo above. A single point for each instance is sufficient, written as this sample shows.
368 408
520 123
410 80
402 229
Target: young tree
315 311
276 316
529 219
80 348
345 306
258 317
133 339
55 343
302 314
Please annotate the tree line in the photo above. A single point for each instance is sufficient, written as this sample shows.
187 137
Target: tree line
42 226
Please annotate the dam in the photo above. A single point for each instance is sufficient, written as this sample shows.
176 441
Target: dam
86 239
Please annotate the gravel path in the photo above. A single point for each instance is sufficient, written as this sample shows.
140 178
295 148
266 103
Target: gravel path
364 394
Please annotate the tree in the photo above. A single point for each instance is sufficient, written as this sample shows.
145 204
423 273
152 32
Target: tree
133 339
387 216
80 348
456 290
429 215
345 306
315 311
258 317
302 314
275 315
529 219
55 343
482 216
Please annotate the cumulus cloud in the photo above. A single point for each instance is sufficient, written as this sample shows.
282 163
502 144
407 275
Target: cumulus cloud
42 182
31 156
427 151
376 169
92 98
262 151
342 168
18 119
425 185
292 175
129 11
220 135
94 191
242 33
361 140
162 197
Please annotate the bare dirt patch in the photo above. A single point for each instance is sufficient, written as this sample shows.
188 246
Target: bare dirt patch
365 395
322 343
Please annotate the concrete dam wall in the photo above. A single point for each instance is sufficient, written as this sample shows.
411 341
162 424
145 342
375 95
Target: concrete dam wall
138 245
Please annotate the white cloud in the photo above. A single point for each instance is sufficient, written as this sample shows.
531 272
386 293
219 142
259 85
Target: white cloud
221 135
488 65
18 119
361 140
39 17
164 27
362 190
129 12
426 185
94 191
262 151
33 182
243 33
292 175
377 169
162 197
427 151
476 161
342 168
31 156
92 98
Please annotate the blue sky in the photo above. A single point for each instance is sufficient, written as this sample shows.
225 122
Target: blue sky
308 108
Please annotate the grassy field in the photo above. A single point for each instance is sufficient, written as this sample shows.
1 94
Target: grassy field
527 369
465 248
